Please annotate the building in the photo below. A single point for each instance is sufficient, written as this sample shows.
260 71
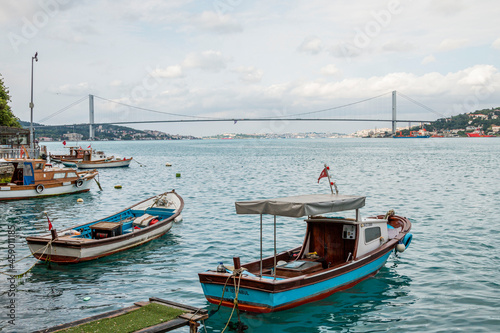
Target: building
73 136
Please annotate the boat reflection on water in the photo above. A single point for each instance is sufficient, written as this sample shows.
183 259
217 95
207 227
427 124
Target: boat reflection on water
357 309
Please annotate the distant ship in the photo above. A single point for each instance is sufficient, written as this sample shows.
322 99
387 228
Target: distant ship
422 134
478 133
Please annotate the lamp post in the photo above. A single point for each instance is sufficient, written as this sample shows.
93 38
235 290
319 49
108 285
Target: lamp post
32 138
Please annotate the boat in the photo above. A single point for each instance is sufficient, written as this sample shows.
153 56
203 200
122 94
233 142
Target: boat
89 158
131 227
421 134
478 133
35 178
106 163
337 253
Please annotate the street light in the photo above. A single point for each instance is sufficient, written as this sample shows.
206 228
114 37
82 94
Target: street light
32 141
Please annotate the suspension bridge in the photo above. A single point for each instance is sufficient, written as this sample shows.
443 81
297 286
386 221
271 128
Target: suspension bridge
389 114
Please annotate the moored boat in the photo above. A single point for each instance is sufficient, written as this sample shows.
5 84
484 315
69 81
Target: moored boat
133 226
106 163
336 254
34 178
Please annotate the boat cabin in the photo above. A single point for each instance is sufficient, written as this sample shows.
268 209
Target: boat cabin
29 172
329 241
334 241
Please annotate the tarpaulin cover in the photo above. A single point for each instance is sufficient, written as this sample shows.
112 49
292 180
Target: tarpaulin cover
301 205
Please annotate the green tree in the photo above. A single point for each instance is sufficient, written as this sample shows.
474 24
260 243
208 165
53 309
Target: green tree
7 118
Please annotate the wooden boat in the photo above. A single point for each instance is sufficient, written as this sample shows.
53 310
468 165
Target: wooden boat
34 178
133 226
106 163
78 154
89 159
336 254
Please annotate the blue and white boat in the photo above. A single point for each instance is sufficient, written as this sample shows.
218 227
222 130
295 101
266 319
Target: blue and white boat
133 226
337 253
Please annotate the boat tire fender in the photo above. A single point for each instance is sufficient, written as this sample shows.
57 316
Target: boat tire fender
39 188
79 183
407 240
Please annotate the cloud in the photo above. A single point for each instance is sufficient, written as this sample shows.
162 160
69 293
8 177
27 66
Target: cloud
311 44
210 60
330 70
452 44
219 23
170 72
398 46
78 89
249 74
427 60
496 44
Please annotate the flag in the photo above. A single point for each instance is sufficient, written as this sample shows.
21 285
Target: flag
323 174
50 224
64 142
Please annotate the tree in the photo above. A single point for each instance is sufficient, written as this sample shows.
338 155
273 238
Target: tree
7 118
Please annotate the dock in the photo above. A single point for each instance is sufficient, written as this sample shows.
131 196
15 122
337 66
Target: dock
190 316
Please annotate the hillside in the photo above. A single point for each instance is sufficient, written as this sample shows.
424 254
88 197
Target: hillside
101 132
484 120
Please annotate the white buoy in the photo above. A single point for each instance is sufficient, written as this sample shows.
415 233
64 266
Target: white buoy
79 200
400 247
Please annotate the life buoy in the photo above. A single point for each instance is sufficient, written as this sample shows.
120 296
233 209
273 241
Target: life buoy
39 188
79 183
407 240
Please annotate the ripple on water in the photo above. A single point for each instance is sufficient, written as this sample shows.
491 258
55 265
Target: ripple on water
446 281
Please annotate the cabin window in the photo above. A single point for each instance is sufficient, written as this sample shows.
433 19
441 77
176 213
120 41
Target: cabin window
372 234
39 166
72 174
59 175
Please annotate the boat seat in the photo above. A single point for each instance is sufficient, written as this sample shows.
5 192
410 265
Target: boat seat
143 220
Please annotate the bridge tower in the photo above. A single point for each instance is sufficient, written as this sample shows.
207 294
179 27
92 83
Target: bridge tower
394 112
91 117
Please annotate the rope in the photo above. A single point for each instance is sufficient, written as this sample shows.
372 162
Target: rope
29 269
236 292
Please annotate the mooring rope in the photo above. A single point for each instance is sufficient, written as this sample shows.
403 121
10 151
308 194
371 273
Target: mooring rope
29 269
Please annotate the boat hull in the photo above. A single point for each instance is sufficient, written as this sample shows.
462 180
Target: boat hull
16 192
75 253
69 248
289 293
104 164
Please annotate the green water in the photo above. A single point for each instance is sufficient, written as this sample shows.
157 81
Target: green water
447 280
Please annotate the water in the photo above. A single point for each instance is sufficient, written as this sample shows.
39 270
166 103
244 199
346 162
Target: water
446 281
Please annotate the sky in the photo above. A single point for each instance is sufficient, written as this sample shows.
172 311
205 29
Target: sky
154 60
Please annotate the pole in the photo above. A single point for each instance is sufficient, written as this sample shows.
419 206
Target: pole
32 137
261 246
91 117
394 112
274 271
330 181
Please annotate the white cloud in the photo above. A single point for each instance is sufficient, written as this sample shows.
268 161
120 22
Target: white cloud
209 60
219 23
311 44
249 74
116 83
452 44
82 88
170 72
330 70
427 60
496 44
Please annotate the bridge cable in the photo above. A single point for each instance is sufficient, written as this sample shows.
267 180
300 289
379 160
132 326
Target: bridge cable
63 109
421 105
150 110
329 109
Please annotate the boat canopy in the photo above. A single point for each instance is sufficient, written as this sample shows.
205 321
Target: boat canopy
301 205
